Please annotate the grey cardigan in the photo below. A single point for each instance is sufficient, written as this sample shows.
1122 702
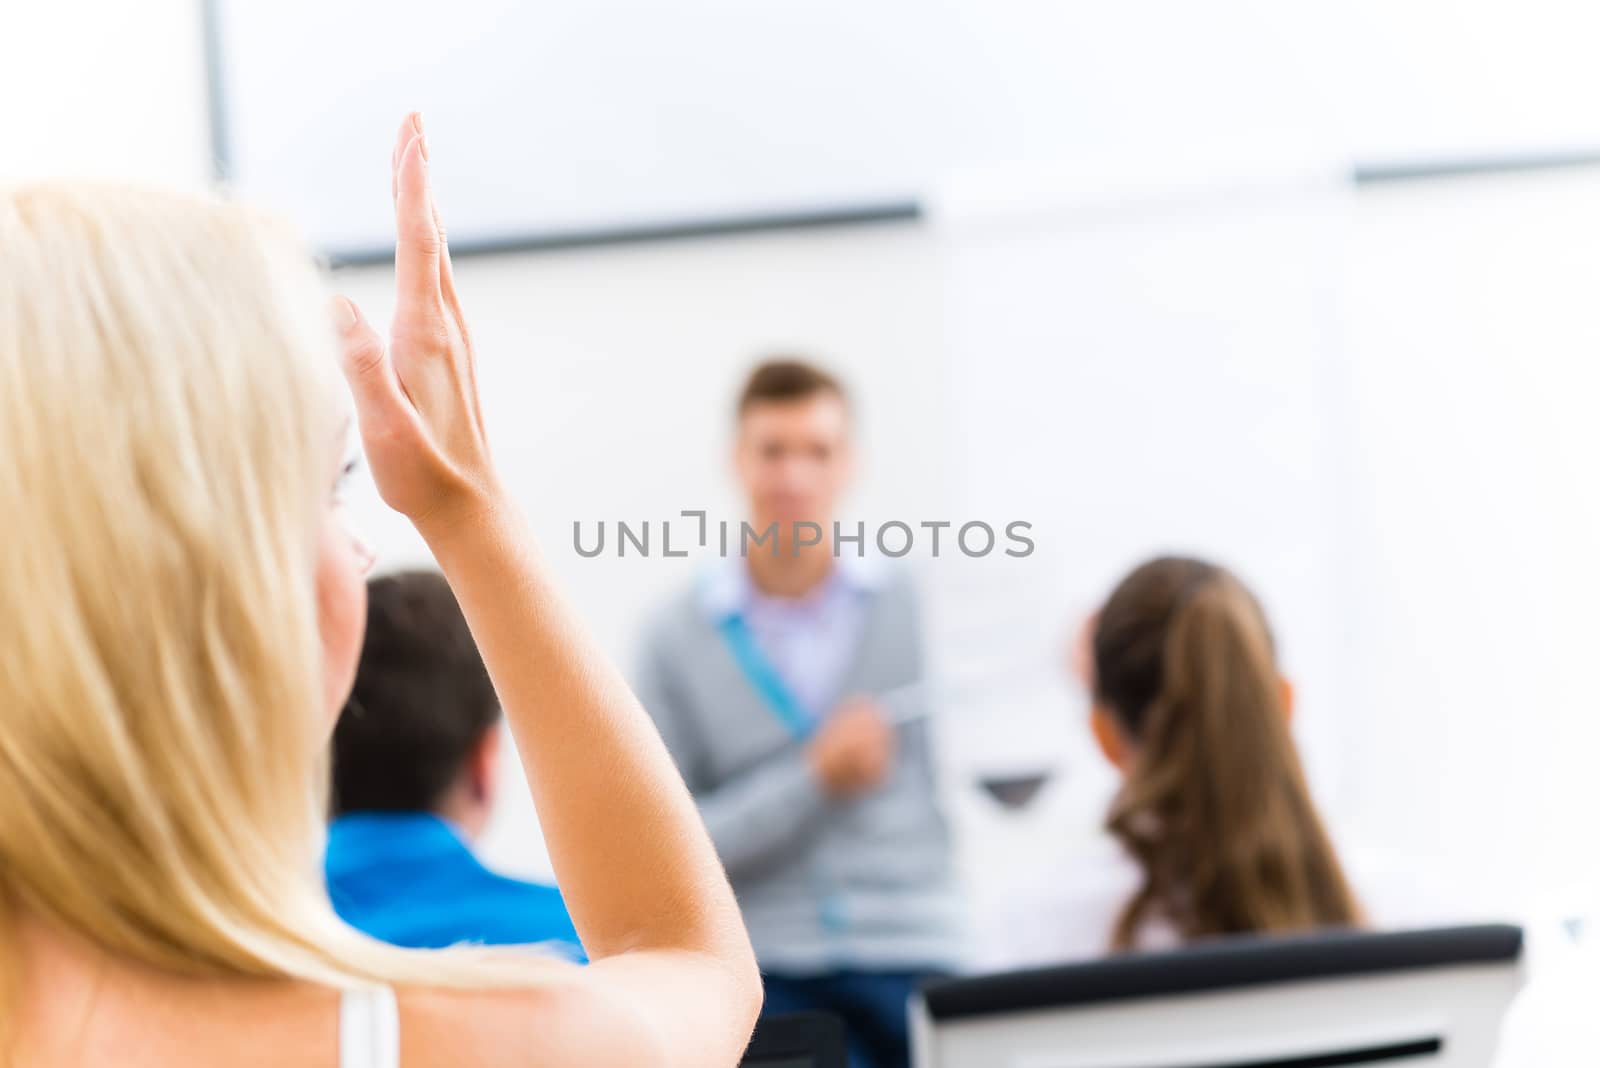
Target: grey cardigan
823 884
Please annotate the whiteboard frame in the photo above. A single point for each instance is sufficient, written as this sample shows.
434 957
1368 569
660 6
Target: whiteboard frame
909 209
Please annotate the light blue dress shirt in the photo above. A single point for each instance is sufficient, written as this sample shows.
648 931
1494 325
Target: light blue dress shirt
811 640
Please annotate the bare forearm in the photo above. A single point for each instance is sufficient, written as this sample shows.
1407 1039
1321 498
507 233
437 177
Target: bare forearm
638 869
629 849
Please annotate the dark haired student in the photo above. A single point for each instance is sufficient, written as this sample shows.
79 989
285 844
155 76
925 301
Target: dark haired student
785 687
415 755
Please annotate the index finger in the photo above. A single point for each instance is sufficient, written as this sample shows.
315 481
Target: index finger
410 126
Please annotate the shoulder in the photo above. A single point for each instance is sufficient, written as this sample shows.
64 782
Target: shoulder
639 1008
493 883
1094 881
516 912
1072 899
881 578
679 619
563 1020
892 591
1396 892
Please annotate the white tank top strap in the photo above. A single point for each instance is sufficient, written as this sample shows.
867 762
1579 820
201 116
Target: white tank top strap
369 1029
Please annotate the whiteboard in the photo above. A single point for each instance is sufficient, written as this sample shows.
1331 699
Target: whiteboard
565 118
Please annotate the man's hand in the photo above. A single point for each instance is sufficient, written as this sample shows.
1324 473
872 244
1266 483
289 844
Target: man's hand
853 750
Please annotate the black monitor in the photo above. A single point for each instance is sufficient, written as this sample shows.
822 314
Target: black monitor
797 1040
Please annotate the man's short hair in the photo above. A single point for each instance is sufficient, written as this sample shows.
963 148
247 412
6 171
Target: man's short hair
782 379
421 703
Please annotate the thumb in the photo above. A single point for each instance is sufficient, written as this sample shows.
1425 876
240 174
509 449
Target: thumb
365 362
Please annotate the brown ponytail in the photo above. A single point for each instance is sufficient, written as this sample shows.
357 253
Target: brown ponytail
1215 806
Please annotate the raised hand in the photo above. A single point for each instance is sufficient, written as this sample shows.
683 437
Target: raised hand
672 979
417 398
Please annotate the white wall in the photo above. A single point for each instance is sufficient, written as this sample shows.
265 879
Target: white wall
97 88
1427 351
1158 376
1471 340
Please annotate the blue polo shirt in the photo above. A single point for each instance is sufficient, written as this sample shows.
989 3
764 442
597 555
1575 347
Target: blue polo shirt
409 878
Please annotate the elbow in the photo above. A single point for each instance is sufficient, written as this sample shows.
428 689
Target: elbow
749 990
744 994
745 1004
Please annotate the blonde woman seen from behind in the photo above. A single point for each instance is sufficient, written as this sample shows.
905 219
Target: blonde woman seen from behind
182 611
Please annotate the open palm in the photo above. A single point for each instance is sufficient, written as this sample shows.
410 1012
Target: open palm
417 397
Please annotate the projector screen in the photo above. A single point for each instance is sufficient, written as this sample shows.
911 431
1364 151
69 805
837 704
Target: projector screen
555 121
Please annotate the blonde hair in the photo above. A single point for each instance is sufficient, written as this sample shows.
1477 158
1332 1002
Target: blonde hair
170 426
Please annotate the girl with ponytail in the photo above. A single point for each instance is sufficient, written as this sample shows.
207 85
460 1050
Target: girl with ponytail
1213 831
1214 806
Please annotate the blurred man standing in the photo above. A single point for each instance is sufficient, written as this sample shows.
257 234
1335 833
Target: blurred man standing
785 685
